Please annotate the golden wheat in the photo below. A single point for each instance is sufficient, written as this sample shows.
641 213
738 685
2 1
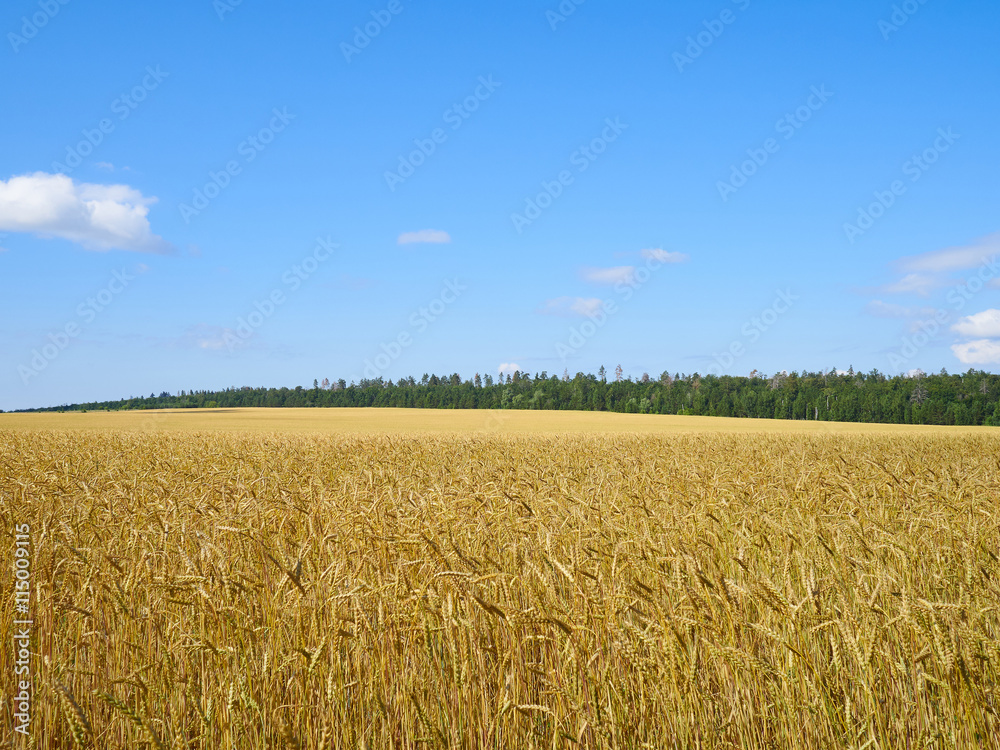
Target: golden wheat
258 590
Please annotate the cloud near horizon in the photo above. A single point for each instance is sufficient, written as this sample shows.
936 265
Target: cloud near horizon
424 236
924 273
954 258
96 217
985 324
984 328
979 352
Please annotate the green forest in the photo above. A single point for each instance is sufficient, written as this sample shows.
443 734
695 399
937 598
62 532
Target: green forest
972 398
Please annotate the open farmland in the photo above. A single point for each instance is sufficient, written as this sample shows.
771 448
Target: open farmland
444 421
418 579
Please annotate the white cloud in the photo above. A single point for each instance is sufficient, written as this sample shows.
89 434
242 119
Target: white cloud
954 258
913 283
98 217
614 275
927 272
508 368
985 324
434 236
664 256
979 352
587 306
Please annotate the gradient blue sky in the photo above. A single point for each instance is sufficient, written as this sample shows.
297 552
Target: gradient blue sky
887 298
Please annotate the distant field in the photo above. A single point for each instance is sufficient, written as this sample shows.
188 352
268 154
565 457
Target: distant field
396 421
241 580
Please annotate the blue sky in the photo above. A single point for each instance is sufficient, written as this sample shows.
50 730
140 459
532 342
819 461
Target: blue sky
198 195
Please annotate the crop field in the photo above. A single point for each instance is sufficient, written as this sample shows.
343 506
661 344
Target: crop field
443 421
404 579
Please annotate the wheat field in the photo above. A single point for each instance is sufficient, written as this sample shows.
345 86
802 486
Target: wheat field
444 422
221 585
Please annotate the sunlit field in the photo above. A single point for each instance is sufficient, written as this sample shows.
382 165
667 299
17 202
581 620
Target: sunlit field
430 579
467 421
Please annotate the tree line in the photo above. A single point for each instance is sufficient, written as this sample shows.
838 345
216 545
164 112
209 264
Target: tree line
972 398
